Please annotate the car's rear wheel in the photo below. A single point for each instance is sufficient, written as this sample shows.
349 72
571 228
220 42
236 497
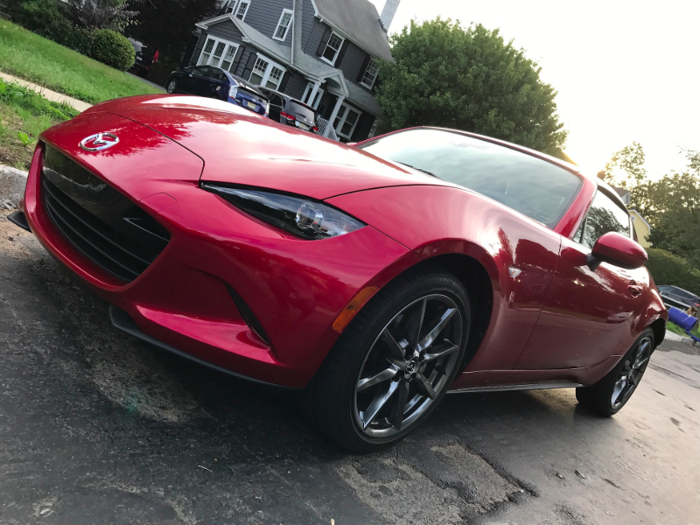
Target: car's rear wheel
392 366
171 86
610 394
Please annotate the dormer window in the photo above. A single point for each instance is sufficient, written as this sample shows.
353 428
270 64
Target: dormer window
370 75
330 53
239 8
283 25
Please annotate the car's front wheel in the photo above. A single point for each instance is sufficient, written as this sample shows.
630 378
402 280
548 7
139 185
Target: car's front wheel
394 363
610 394
171 86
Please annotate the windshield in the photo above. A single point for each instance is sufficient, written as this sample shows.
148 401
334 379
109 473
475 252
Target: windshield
302 111
534 187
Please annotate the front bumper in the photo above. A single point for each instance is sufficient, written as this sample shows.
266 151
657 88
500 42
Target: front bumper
295 288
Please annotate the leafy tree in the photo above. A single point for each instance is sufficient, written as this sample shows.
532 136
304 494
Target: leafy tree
167 25
676 211
626 170
101 14
444 75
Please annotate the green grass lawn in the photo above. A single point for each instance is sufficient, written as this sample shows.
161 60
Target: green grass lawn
34 58
24 114
678 330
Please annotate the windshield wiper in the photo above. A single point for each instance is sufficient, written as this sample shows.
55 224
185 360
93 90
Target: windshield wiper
418 169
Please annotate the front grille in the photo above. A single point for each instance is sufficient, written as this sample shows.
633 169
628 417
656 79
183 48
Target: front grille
101 223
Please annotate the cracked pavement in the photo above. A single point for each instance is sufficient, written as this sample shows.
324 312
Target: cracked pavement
99 428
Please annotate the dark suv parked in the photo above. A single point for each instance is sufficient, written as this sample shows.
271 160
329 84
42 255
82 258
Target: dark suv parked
290 111
144 59
214 82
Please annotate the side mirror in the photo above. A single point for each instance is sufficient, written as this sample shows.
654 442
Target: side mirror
616 249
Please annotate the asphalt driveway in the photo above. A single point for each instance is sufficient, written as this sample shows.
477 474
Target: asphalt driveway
97 427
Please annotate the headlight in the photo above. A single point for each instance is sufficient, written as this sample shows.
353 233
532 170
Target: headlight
233 91
302 217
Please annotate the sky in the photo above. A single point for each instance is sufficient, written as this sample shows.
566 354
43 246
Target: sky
625 70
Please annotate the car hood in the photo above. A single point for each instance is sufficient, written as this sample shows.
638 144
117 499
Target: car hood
239 147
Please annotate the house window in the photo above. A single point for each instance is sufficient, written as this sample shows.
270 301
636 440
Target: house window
283 25
370 76
346 121
218 53
239 8
307 95
266 73
330 53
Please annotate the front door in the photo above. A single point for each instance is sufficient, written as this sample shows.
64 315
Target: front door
588 314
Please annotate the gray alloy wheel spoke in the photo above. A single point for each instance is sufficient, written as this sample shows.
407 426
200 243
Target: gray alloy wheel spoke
617 391
639 364
441 351
437 326
395 349
416 324
425 386
377 404
400 408
384 375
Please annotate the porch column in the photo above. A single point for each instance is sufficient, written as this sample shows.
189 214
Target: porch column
336 109
314 92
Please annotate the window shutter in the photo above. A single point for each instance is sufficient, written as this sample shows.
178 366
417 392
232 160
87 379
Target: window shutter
285 80
249 65
237 59
364 126
342 52
324 41
365 63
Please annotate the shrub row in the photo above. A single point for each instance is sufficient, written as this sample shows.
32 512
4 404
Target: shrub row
667 268
104 45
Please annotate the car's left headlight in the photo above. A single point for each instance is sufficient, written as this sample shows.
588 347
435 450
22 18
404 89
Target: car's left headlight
303 217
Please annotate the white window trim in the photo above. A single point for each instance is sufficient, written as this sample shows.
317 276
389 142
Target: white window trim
279 23
268 70
342 41
307 92
217 41
238 3
374 80
342 121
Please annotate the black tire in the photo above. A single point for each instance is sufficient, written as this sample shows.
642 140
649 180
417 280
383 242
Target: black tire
171 86
331 400
602 398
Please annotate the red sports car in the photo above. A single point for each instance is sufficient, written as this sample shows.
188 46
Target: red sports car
373 279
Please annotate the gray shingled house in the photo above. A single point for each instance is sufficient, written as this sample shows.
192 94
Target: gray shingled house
328 60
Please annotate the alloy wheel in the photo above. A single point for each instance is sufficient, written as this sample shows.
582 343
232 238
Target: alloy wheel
408 366
631 373
171 87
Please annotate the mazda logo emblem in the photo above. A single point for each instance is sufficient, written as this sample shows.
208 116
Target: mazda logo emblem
99 141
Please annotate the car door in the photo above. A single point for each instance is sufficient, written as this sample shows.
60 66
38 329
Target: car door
200 81
588 314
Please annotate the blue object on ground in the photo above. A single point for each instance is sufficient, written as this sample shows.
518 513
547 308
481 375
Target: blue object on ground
682 319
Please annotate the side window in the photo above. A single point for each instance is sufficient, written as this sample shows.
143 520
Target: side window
604 216
200 71
276 100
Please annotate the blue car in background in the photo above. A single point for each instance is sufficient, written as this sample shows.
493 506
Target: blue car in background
214 82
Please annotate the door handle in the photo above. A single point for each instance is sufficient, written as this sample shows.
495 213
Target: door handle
636 291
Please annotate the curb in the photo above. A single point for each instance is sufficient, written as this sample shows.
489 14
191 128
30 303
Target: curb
679 338
12 184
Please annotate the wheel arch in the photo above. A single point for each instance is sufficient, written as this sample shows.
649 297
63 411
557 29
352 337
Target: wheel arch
478 283
659 328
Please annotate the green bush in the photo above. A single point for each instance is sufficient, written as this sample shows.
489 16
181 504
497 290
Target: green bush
667 268
113 49
44 18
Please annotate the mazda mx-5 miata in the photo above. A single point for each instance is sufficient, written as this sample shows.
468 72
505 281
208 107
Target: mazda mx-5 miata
372 278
